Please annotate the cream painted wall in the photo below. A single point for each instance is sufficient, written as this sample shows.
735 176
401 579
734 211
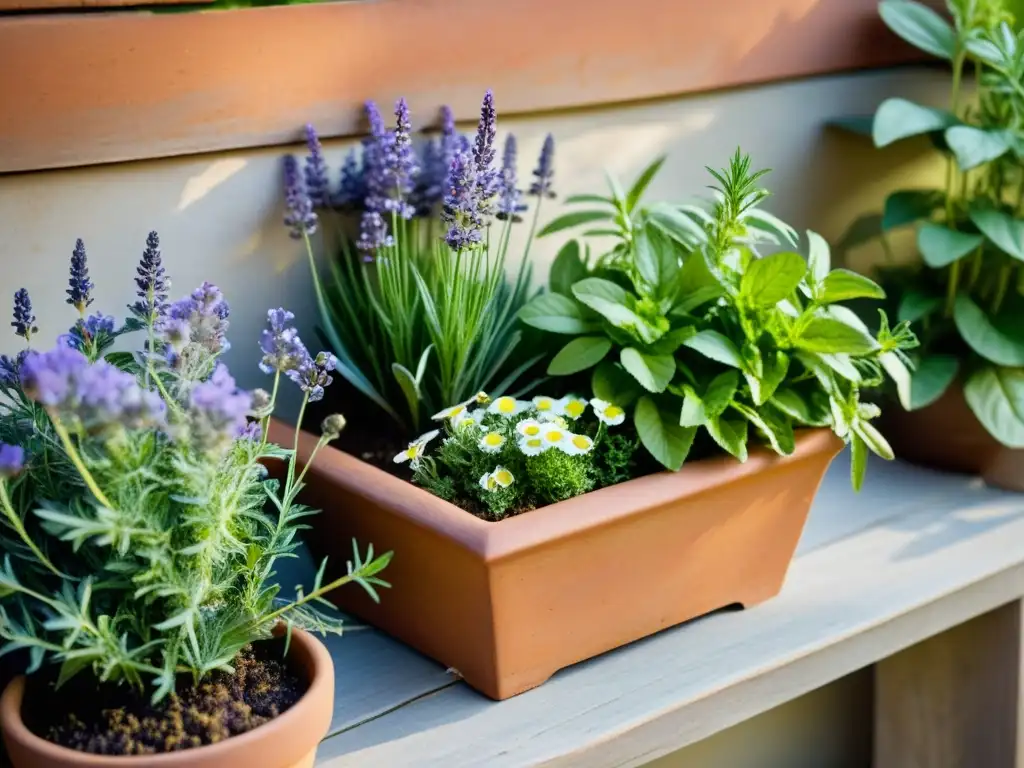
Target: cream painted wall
219 215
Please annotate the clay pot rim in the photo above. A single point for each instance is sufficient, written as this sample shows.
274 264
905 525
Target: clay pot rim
14 728
493 540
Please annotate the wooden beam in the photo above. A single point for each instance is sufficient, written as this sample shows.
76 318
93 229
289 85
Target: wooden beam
953 700
102 87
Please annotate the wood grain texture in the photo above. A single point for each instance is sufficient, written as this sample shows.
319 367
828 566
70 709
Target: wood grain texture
50 5
956 553
97 88
953 700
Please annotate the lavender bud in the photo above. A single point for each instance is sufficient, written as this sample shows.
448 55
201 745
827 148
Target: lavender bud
24 321
10 369
373 233
352 190
282 349
152 283
312 375
509 206
251 431
12 460
332 426
79 285
299 216
260 402
545 172
317 175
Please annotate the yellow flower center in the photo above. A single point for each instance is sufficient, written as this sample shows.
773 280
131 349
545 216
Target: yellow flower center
491 483
504 477
455 410
493 439
544 404
613 412
413 451
581 441
554 436
535 442
530 430
574 408
506 404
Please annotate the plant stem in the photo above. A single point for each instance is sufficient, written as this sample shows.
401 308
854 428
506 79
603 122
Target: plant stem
76 459
952 286
265 421
19 527
295 448
1002 283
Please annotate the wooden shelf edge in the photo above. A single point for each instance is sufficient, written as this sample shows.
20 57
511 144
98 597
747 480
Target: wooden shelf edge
109 87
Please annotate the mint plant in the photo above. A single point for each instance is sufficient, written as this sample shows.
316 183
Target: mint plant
965 298
418 308
138 524
684 320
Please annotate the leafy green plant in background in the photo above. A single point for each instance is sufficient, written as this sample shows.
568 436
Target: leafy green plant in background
138 527
684 320
418 308
966 297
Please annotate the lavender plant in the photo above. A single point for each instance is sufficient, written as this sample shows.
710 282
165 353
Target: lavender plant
417 307
140 528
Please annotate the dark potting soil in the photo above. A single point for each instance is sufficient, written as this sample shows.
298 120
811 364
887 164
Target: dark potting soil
118 720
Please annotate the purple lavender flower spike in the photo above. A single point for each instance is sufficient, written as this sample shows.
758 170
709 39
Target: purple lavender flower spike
375 119
95 324
218 410
352 190
24 321
509 206
299 216
401 162
318 182
10 368
373 234
545 171
152 283
12 460
312 375
49 377
483 156
461 211
282 349
251 431
79 285
201 319
105 395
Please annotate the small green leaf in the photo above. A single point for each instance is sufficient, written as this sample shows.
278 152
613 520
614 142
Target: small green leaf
920 26
819 259
858 462
1006 232
611 383
663 438
123 360
916 304
656 258
996 395
940 246
654 372
901 377
930 379
610 301
730 435
828 335
768 281
985 337
578 355
780 231
692 414
774 370
975 146
909 205
407 382
803 411
643 180
567 268
715 346
586 198
720 392
899 119
556 313
677 225
843 285
867 432
574 219
775 428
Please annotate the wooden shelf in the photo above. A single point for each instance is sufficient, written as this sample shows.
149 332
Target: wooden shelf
80 89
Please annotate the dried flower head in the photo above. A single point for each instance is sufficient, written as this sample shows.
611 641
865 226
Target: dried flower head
79 285
544 174
152 283
12 460
24 321
299 216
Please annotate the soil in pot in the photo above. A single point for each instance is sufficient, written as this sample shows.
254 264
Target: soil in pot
118 720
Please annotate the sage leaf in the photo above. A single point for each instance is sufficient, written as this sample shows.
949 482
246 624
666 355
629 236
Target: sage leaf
909 205
556 313
828 335
579 354
611 383
975 146
985 337
568 268
731 435
940 246
899 119
666 441
715 346
1006 232
768 281
843 285
996 396
920 26
653 372
930 379
915 304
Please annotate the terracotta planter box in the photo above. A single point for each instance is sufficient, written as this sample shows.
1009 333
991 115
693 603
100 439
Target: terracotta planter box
947 435
288 741
507 604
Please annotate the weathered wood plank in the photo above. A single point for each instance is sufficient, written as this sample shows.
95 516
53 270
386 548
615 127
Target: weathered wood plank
953 700
958 553
85 89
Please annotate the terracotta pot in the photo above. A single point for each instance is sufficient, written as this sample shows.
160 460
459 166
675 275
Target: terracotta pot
947 435
288 741
509 603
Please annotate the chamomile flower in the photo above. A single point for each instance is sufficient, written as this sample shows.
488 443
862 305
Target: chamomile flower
545 405
577 445
532 446
609 414
487 482
507 406
553 418
572 407
414 452
503 477
529 428
492 442
554 435
452 412
466 419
